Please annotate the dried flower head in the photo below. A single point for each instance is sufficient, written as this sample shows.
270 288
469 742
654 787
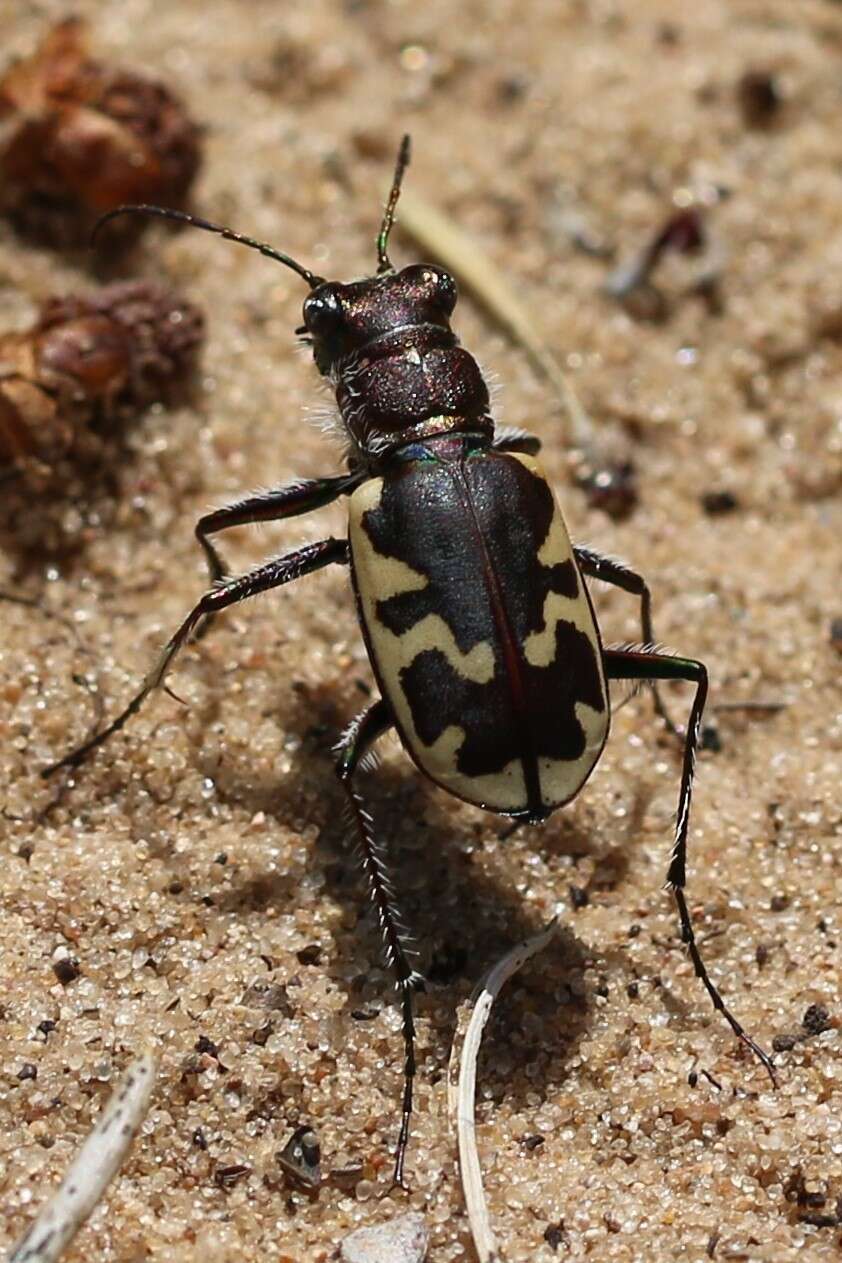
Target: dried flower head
71 382
79 137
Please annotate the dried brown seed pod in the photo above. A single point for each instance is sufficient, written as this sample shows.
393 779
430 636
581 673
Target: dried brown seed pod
68 387
80 137
91 360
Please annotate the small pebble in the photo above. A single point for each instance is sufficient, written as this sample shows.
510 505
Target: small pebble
554 1236
715 503
816 1019
65 968
401 1240
301 1156
759 98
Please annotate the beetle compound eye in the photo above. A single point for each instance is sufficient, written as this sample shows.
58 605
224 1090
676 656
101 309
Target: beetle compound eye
446 292
440 286
432 284
323 313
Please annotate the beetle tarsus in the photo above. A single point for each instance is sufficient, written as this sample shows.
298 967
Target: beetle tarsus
688 938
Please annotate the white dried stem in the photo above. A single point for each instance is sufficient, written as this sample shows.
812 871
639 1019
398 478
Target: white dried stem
461 255
93 1168
469 1165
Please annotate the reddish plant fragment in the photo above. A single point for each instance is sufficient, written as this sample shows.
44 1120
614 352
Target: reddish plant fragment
80 137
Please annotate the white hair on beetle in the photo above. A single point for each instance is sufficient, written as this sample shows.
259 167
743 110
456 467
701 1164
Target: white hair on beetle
325 417
494 384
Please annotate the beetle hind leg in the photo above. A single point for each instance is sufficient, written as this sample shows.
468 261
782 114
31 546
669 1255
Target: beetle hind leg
355 744
636 665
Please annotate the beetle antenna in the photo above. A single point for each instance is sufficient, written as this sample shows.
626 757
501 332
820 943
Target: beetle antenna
182 217
383 261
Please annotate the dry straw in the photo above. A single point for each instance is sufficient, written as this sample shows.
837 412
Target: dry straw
462 1101
93 1168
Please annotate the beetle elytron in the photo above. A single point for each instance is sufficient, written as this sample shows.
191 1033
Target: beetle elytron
470 596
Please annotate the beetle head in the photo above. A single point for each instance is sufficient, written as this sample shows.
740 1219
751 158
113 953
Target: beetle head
375 314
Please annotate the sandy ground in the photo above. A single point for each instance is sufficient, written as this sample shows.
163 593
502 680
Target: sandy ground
189 867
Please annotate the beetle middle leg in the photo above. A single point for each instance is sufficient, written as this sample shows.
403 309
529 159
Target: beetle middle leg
619 575
637 665
272 574
359 739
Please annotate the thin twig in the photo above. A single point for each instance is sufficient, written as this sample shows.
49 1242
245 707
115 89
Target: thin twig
486 993
447 242
93 1168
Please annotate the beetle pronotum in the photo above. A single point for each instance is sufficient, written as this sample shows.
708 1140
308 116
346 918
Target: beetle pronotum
470 596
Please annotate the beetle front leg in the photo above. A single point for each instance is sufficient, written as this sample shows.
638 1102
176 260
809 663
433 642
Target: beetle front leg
269 506
619 575
632 665
272 574
358 739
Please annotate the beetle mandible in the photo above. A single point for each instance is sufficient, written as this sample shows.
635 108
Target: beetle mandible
470 595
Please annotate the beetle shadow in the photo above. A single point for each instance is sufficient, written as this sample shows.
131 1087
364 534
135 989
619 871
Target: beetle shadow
462 917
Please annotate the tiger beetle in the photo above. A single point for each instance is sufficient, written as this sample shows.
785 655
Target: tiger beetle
478 624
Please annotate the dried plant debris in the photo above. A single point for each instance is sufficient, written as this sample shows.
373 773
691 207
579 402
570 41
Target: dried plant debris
609 485
686 231
79 137
465 1096
93 1168
70 382
816 1020
404 1239
96 357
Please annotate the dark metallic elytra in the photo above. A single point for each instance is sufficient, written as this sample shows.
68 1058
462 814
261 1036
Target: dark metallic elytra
403 527
471 598
473 522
